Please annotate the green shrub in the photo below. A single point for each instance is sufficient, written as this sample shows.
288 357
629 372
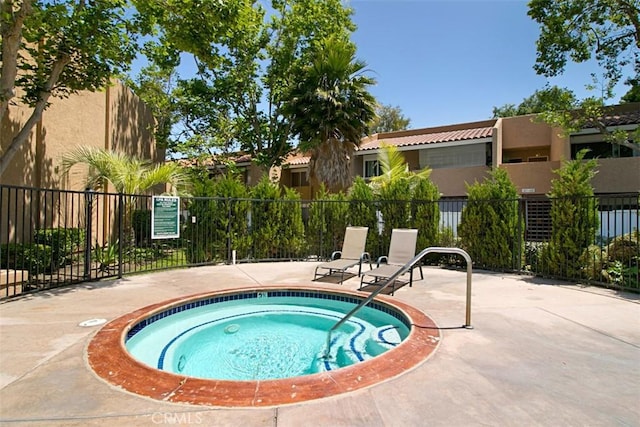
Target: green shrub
624 248
221 214
488 224
395 207
328 220
141 223
33 257
363 213
292 241
593 262
425 213
63 242
266 217
574 217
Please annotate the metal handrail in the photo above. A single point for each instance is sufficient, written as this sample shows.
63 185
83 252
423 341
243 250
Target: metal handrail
400 272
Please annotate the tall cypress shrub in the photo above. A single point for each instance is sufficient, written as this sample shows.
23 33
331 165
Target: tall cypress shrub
328 219
230 226
266 216
363 213
488 227
220 219
574 217
425 213
292 241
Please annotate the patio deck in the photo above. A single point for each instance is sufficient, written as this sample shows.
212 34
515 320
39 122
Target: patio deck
541 353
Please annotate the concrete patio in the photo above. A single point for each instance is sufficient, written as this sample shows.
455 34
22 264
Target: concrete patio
541 353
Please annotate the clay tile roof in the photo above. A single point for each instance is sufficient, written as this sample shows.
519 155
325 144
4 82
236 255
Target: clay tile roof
430 138
623 118
296 159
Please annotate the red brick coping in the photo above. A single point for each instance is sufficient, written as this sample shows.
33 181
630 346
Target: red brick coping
111 361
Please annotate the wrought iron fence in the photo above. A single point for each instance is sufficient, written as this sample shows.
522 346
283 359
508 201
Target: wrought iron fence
53 238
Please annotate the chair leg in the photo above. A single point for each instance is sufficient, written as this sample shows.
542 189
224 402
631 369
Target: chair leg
421 275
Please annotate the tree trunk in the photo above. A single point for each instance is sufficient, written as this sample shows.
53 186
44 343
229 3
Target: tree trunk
330 164
36 115
11 32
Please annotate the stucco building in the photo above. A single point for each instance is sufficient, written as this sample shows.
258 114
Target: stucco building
529 150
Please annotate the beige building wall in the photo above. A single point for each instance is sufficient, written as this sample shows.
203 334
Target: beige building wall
453 182
114 118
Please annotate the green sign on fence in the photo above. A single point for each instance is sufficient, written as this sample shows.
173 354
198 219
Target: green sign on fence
165 217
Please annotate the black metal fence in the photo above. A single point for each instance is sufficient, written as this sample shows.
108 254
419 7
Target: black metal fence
53 238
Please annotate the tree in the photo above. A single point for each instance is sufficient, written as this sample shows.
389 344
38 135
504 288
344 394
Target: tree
245 69
551 98
488 225
128 175
574 216
54 49
396 188
605 30
330 110
389 119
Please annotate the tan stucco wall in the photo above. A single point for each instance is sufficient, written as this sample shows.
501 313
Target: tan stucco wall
534 178
453 182
80 119
617 175
522 132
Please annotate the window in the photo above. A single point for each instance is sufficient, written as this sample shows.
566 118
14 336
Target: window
371 168
598 148
456 157
299 179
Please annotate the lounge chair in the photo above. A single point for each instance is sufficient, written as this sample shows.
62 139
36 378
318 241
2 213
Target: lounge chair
401 250
352 253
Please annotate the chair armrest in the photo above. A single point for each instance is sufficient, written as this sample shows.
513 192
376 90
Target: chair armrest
336 255
365 257
382 258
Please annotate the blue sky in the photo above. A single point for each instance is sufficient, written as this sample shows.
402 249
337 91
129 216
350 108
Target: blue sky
451 61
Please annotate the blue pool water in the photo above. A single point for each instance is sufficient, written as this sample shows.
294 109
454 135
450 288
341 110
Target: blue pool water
264 337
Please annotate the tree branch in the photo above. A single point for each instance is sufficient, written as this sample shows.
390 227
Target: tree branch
11 32
36 115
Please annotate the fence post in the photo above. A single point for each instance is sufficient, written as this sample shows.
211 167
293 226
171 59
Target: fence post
120 232
88 215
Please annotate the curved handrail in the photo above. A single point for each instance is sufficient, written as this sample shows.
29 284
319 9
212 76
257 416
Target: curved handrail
400 272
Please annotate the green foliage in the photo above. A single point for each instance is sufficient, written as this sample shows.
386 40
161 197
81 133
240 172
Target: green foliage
247 60
363 213
292 239
389 119
580 30
141 223
330 109
551 98
625 248
33 257
266 219
489 223
63 242
328 220
57 49
574 216
425 213
395 188
106 256
221 212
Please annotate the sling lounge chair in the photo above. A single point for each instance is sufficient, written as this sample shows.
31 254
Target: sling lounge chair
401 250
352 253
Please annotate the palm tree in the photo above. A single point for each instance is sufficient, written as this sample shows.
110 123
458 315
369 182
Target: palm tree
330 110
128 175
